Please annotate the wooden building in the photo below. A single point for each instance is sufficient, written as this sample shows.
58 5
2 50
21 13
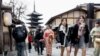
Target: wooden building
73 14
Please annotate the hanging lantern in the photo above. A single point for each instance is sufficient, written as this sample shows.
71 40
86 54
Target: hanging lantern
7 19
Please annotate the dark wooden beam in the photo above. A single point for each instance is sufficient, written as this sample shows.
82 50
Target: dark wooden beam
1 29
6 8
70 18
97 4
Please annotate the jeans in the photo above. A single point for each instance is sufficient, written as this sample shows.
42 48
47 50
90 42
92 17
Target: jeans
40 47
20 48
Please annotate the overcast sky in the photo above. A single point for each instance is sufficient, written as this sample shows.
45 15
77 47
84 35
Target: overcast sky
50 8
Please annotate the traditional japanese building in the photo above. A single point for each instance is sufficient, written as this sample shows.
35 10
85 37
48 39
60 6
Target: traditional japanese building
34 18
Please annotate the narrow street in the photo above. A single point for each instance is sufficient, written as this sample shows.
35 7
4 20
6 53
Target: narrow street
56 52
45 22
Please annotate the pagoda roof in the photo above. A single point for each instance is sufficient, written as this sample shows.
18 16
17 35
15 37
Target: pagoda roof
35 14
34 19
34 23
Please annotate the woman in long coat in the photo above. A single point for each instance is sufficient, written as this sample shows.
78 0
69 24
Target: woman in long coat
80 36
48 37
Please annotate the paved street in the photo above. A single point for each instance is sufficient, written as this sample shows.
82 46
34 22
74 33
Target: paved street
56 52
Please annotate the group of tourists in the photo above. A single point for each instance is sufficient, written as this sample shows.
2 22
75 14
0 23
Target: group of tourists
76 36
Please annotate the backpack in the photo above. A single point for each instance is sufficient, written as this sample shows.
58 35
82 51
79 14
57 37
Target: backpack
19 33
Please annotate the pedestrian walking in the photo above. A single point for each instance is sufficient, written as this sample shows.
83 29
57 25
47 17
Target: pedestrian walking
29 42
19 34
80 35
95 34
39 41
63 36
48 37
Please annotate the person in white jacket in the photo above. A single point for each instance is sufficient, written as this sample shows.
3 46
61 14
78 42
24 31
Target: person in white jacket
95 34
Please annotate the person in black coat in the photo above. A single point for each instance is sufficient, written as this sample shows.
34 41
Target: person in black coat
39 41
80 36
63 38
19 33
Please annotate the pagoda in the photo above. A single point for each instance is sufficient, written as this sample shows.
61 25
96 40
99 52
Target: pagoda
34 18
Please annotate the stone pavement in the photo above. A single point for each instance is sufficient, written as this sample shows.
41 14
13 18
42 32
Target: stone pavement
56 52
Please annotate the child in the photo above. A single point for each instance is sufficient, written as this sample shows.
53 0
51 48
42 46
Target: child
95 34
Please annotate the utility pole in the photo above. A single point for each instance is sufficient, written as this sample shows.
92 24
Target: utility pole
1 29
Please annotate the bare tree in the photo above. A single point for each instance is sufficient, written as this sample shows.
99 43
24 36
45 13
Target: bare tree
18 8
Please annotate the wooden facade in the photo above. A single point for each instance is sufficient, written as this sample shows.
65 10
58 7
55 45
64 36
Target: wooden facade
71 17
